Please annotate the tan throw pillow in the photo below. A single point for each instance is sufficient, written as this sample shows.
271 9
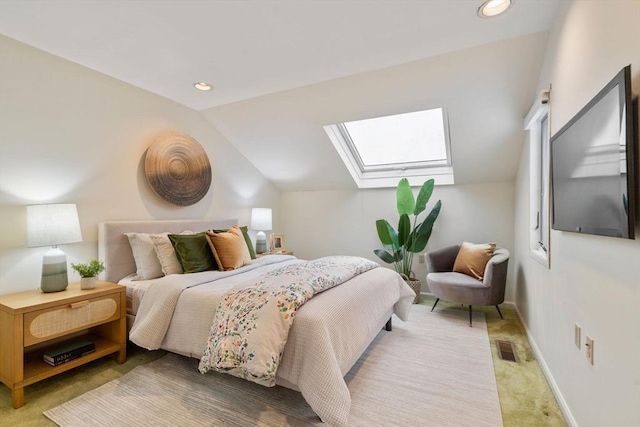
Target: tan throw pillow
472 259
229 248
166 253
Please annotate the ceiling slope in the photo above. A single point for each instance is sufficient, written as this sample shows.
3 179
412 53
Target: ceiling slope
283 69
486 91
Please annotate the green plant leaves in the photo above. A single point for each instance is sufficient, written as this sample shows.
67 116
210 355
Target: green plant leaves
410 238
384 256
404 196
93 268
421 241
423 196
387 234
427 224
404 229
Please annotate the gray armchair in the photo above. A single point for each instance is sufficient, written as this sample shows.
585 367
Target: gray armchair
463 289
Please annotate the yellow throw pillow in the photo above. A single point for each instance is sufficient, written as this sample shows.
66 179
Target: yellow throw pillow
229 248
472 259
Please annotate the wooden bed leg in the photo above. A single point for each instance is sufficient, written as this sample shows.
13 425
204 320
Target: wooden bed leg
387 327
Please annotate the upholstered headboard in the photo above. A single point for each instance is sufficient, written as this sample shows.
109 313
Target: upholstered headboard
114 248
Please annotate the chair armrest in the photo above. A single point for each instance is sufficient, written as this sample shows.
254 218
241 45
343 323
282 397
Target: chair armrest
442 260
495 273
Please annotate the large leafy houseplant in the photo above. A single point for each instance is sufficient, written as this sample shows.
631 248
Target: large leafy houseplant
412 236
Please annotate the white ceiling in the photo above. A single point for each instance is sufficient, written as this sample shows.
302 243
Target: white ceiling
251 48
282 69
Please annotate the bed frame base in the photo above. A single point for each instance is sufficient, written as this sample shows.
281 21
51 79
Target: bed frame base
387 327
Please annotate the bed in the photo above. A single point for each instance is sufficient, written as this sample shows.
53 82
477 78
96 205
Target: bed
329 334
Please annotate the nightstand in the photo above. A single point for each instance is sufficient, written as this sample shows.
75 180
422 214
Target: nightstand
275 253
33 322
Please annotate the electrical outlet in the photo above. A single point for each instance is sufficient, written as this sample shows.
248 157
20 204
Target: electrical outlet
577 335
589 345
421 258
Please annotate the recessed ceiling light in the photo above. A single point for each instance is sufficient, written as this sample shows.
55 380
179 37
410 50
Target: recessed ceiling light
491 8
203 86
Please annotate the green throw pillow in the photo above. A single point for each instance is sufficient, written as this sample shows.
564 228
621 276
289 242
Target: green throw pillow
247 239
193 252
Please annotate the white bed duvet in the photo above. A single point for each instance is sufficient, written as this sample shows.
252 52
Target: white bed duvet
328 336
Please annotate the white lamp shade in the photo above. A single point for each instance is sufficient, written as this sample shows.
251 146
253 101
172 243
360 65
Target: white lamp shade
52 225
261 219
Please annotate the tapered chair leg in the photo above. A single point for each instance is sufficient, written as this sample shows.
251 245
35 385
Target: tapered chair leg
470 321
435 303
499 312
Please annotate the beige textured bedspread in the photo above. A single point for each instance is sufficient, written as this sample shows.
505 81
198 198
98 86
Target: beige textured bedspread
329 334
159 299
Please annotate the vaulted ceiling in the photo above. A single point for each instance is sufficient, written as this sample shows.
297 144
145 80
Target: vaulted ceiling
282 69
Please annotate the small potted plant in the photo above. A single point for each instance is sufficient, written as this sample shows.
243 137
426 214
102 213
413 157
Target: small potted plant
88 273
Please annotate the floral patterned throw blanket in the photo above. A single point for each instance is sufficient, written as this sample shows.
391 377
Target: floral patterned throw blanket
252 321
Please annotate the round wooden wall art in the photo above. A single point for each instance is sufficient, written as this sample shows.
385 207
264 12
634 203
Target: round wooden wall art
178 168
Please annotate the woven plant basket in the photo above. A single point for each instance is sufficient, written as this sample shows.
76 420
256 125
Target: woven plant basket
414 284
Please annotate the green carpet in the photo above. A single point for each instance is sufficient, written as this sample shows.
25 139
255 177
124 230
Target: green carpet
525 397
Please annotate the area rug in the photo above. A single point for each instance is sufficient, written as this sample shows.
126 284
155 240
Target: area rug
433 370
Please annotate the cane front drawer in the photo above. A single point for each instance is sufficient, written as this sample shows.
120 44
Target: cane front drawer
43 325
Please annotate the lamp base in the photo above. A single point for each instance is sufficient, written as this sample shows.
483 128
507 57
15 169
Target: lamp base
261 242
54 271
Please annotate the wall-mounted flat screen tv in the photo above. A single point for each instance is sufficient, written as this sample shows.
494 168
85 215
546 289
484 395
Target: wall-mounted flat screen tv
593 165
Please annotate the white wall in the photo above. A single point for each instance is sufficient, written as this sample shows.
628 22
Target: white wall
593 281
320 223
72 135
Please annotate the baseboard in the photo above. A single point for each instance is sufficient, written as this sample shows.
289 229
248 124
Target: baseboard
547 373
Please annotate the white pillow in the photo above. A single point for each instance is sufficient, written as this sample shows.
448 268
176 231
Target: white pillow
165 253
147 263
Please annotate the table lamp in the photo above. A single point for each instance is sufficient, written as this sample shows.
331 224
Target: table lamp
53 225
261 221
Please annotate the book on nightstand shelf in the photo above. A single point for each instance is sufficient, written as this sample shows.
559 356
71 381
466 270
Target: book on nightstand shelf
69 352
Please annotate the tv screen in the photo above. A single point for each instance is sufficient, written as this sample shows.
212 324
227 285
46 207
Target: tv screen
592 165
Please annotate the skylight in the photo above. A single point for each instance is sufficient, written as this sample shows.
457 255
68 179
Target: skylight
381 150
